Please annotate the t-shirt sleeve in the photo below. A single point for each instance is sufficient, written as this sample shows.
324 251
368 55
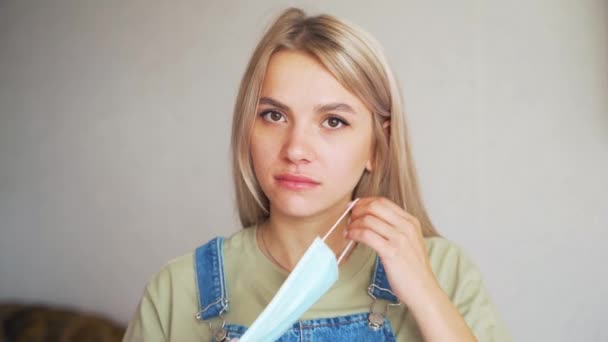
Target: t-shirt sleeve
148 324
461 279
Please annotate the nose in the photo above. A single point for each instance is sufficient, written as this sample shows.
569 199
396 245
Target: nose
298 146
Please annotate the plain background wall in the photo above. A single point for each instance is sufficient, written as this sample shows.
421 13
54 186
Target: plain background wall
114 140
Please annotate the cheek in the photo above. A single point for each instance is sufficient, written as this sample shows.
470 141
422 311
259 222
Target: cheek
349 160
261 149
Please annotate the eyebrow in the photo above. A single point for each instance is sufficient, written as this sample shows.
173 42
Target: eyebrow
328 107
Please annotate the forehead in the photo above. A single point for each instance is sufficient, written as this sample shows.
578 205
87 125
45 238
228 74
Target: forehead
296 78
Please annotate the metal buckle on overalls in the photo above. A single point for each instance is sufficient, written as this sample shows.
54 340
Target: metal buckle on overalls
219 333
375 319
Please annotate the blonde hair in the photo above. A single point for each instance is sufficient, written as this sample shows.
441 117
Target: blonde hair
357 62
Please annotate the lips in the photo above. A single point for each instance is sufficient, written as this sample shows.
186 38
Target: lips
296 182
295 178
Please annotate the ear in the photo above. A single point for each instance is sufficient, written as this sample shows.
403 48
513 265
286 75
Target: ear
386 125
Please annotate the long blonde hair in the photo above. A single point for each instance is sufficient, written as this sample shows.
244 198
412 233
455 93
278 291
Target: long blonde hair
356 60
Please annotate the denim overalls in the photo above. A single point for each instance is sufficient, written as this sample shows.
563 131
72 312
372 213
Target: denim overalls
213 302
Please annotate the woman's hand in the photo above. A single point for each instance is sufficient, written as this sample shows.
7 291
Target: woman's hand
397 238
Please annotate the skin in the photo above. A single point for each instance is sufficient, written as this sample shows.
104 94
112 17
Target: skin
304 140
334 147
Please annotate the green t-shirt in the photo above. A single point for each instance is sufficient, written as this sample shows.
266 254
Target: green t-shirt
167 310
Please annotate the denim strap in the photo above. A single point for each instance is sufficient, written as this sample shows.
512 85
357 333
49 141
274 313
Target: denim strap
210 282
380 287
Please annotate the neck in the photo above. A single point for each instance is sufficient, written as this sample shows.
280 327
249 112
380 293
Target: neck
286 238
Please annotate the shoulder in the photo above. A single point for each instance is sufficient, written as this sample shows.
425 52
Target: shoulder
462 281
239 240
183 266
445 253
180 271
451 264
176 275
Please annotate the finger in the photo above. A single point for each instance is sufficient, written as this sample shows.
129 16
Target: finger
381 208
369 238
415 223
378 204
374 223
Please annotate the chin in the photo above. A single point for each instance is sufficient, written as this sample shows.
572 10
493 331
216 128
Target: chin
298 206
301 205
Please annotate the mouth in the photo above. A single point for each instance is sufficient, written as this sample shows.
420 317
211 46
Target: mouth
296 182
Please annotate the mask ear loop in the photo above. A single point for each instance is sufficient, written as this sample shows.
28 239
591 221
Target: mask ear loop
350 244
346 249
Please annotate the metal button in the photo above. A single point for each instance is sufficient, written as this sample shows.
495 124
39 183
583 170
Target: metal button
220 335
375 320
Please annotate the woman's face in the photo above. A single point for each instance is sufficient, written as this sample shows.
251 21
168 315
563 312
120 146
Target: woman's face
311 140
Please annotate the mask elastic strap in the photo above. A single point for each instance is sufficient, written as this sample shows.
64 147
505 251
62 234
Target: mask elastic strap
331 230
346 249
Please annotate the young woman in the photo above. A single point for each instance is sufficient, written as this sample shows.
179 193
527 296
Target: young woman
317 123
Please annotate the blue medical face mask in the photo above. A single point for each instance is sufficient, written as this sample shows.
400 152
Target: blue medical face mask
313 275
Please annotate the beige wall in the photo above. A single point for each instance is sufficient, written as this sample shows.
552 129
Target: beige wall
114 123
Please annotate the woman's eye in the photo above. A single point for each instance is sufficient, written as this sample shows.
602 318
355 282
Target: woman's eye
334 122
273 116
